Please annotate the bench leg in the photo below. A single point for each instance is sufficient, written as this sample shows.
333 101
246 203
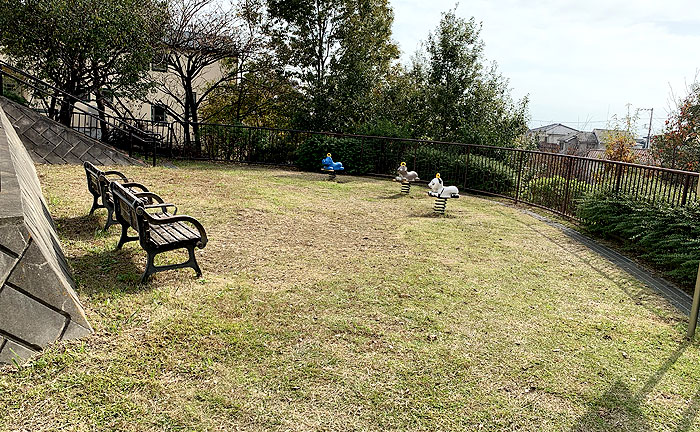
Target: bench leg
193 262
151 268
110 219
125 238
95 206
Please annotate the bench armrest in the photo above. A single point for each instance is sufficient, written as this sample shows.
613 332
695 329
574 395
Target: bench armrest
132 185
163 206
154 196
115 173
170 219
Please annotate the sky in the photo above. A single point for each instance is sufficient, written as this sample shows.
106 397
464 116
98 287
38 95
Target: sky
579 62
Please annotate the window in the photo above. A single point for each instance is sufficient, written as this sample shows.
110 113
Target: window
158 113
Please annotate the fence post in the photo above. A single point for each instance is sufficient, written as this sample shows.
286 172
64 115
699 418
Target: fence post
2 85
618 177
692 324
520 175
466 167
686 186
567 193
415 155
155 145
170 139
131 143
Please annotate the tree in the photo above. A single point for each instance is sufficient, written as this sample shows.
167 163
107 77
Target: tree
261 95
679 145
337 51
462 100
261 92
361 74
83 46
201 35
619 138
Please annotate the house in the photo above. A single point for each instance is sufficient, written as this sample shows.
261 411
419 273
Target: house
559 138
548 137
578 143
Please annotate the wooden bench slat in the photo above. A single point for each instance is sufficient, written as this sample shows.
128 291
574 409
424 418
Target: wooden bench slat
157 238
185 230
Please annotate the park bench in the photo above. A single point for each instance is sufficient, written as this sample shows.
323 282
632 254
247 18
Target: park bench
98 184
158 232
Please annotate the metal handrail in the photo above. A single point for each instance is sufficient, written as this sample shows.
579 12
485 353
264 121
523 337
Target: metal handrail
123 126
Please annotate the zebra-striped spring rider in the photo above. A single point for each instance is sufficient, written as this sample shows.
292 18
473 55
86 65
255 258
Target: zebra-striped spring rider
441 193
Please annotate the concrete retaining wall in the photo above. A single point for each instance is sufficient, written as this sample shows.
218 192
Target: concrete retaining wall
38 303
49 142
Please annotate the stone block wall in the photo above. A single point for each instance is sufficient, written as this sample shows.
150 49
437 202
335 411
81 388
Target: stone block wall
38 303
49 142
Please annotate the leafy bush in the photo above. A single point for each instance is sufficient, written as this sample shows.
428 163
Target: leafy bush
490 175
669 237
357 158
551 192
16 97
483 173
245 144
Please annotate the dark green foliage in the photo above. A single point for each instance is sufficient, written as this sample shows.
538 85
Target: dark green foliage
246 144
355 156
551 192
81 46
339 52
383 128
482 173
667 236
16 98
490 175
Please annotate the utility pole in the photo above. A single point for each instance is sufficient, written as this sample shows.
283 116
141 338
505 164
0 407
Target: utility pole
651 116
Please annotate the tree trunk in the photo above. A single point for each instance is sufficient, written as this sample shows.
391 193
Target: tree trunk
65 114
104 132
195 131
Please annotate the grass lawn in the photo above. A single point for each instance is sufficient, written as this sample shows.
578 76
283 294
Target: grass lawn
343 306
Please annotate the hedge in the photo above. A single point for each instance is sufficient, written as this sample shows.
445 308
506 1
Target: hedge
382 157
668 237
551 192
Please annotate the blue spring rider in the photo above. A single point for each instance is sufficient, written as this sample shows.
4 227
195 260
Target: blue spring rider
331 167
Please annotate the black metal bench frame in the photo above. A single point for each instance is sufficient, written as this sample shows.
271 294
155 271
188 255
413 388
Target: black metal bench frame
132 212
98 184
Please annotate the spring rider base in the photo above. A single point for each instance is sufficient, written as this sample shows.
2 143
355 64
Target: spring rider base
440 205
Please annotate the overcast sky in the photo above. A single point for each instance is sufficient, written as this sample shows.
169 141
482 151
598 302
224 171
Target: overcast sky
580 62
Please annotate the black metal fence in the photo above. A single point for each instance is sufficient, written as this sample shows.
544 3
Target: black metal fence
553 181
549 180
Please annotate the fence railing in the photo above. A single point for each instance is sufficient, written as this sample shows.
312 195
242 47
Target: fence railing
553 181
549 180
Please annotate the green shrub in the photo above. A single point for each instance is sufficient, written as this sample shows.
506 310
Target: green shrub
490 175
668 237
357 158
483 173
551 192
16 97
